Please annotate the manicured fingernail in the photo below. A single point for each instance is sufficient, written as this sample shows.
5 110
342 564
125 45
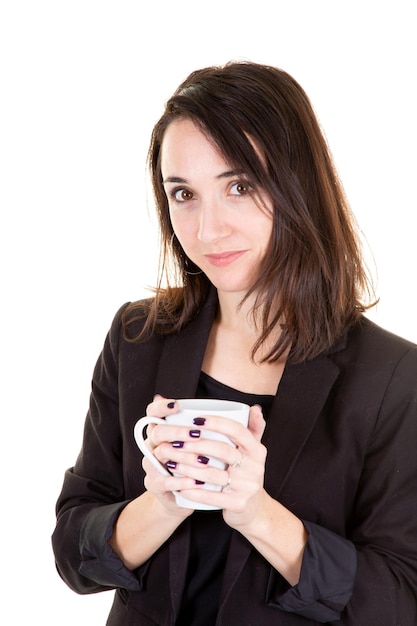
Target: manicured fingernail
171 405
200 482
177 444
195 434
203 459
171 464
199 421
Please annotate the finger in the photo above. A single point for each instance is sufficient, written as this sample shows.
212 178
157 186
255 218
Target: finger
161 406
229 430
198 453
159 483
256 424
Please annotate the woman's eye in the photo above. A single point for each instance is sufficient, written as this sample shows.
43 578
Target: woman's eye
240 189
181 195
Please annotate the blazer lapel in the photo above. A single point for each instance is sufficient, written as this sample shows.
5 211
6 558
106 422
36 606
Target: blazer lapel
182 354
301 395
177 377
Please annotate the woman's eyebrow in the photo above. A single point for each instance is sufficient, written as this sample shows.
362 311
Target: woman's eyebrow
229 174
183 181
174 179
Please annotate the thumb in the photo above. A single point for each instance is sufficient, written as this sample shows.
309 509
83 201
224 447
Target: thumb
256 423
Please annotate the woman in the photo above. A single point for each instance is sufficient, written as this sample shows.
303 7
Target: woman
318 519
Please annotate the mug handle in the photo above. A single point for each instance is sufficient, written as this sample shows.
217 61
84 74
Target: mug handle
141 442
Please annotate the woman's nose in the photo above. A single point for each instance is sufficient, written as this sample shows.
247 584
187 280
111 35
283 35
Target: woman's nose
213 221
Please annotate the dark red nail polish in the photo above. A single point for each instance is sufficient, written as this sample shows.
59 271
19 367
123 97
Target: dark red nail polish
199 482
177 444
199 421
195 434
171 405
171 464
203 459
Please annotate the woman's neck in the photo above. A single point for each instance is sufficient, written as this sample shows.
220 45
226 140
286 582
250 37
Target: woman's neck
237 315
228 356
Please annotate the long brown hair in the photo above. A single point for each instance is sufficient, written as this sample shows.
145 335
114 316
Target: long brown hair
313 278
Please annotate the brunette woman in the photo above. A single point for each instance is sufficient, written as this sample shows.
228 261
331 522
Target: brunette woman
261 299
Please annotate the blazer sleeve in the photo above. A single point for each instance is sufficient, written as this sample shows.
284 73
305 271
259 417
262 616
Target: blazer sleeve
379 584
326 578
383 526
92 495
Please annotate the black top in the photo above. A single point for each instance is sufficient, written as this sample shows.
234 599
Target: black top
208 557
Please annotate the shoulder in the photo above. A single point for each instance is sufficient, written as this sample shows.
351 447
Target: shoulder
131 317
134 317
161 315
367 338
376 357
121 334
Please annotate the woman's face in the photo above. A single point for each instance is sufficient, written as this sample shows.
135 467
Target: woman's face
222 227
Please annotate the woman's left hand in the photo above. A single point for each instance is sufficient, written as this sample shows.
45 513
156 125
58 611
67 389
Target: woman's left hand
242 481
272 529
246 486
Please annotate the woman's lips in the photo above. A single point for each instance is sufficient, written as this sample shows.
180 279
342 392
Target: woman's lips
222 259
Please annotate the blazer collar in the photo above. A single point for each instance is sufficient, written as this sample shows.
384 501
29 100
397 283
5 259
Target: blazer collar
302 392
183 353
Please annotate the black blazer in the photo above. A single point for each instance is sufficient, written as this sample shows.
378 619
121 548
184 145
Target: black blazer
342 453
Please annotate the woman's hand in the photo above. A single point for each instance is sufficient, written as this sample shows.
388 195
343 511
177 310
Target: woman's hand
241 482
245 491
155 482
182 450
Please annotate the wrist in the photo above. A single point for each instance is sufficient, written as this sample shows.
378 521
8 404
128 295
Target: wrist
257 517
280 536
166 508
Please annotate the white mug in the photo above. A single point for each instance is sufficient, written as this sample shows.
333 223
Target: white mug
189 409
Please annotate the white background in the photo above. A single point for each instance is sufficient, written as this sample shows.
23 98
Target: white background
82 83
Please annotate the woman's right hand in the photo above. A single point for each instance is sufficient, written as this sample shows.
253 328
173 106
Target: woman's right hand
155 482
162 487
151 518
